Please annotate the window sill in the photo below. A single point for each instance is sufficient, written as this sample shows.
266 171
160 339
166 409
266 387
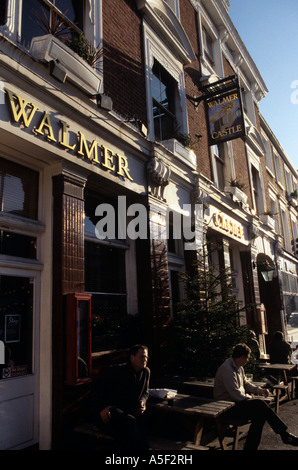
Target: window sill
268 220
237 194
183 153
293 202
48 48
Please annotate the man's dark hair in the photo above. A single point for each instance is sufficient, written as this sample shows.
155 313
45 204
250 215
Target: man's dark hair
134 349
241 350
278 335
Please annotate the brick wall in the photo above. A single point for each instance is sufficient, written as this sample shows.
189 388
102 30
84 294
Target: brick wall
124 71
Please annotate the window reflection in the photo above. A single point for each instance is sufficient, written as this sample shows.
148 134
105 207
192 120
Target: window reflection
16 319
18 189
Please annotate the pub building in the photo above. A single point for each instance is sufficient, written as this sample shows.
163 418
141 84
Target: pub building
95 186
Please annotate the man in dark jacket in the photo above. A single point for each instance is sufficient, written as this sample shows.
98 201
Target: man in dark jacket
280 351
123 394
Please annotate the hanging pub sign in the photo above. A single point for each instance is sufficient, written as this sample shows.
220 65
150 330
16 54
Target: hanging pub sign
224 110
225 117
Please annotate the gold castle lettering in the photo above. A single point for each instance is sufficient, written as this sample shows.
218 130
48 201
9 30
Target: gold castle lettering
229 225
24 112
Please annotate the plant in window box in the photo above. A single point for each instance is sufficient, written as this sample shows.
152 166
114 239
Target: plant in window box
181 145
57 45
185 140
268 218
234 183
293 199
236 188
52 23
92 55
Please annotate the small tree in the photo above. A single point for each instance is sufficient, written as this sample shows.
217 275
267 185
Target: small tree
207 321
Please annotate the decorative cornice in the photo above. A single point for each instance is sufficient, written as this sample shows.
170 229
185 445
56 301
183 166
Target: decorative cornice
160 16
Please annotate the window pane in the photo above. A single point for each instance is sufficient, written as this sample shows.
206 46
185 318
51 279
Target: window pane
16 317
163 94
104 269
72 9
36 11
105 278
3 7
18 189
14 244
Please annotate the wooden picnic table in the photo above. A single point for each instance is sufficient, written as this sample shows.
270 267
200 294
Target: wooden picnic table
197 386
197 407
282 370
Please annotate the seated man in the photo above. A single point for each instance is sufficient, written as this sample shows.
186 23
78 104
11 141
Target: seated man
123 394
231 384
279 350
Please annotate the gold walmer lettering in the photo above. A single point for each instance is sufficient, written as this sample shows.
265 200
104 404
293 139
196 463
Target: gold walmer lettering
223 100
23 112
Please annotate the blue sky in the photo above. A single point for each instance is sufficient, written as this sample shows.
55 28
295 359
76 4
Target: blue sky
269 30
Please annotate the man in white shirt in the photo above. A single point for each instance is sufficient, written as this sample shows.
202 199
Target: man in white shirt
231 384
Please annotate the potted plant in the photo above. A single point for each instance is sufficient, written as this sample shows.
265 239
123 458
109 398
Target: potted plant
293 199
185 140
58 44
268 218
236 188
237 184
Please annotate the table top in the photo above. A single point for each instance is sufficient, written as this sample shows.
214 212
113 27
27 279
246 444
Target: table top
278 366
189 404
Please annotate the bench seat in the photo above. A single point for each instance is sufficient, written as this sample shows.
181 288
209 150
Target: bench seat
155 442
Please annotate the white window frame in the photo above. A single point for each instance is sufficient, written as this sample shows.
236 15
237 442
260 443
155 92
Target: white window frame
285 227
219 158
294 232
288 181
155 49
277 168
274 208
268 154
92 21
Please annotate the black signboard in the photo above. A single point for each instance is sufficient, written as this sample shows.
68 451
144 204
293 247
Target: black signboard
225 117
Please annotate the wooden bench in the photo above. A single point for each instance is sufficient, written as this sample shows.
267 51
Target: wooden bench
154 442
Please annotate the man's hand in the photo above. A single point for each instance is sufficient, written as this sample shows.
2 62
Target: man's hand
142 407
105 414
264 392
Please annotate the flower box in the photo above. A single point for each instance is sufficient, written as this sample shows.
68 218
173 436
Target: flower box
48 48
237 194
183 153
268 220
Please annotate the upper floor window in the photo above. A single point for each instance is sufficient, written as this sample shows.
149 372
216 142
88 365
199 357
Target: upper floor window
163 96
285 229
277 167
274 210
268 154
289 182
3 12
219 165
256 188
59 17
18 190
208 46
165 87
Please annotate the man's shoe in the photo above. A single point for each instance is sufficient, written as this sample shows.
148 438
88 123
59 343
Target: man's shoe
289 438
